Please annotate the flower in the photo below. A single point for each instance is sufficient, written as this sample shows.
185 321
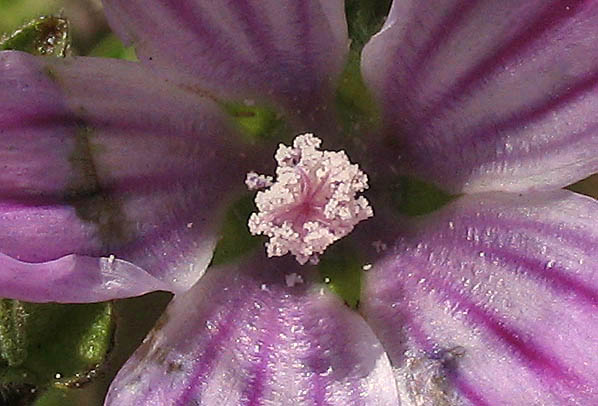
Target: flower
490 300
312 203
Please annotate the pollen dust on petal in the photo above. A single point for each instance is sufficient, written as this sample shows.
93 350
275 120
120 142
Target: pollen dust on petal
312 203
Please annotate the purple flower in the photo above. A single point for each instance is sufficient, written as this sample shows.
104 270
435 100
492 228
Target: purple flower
115 174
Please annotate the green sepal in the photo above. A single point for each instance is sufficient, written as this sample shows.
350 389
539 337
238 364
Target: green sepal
365 18
47 35
587 186
415 197
112 47
256 122
236 240
341 269
355 104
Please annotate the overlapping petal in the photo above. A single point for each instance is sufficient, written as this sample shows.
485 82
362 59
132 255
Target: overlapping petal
289 51
493 300
243 336
100 157
74 279
490 95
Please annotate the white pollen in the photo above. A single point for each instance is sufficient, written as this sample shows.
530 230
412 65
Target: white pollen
367 267
111 259
293 279
189 225
257 182
312 203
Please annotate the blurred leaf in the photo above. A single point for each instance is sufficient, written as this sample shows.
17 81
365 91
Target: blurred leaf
47 35
16 12
17 394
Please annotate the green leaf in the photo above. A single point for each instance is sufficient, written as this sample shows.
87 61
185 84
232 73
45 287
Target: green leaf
63 345
48 35
58 397
68 341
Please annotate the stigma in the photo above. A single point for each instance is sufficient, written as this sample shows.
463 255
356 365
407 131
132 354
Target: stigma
312 203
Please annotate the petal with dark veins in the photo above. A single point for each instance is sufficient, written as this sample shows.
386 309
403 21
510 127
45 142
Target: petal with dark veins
242 336
288 51
494 301
100 157
490 95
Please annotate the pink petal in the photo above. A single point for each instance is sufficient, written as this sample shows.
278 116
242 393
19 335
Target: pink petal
241 336
74 279
497 296
100 157
490 95
289 50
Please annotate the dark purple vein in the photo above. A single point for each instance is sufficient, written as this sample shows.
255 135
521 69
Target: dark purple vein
254 388
210 353
190 15
550 17
440 35
528 115
555 276
467 390
257 30
542 364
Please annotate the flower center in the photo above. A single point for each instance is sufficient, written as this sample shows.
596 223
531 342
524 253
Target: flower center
311 204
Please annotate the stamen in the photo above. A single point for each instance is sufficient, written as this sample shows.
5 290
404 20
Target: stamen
311 204
256 182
